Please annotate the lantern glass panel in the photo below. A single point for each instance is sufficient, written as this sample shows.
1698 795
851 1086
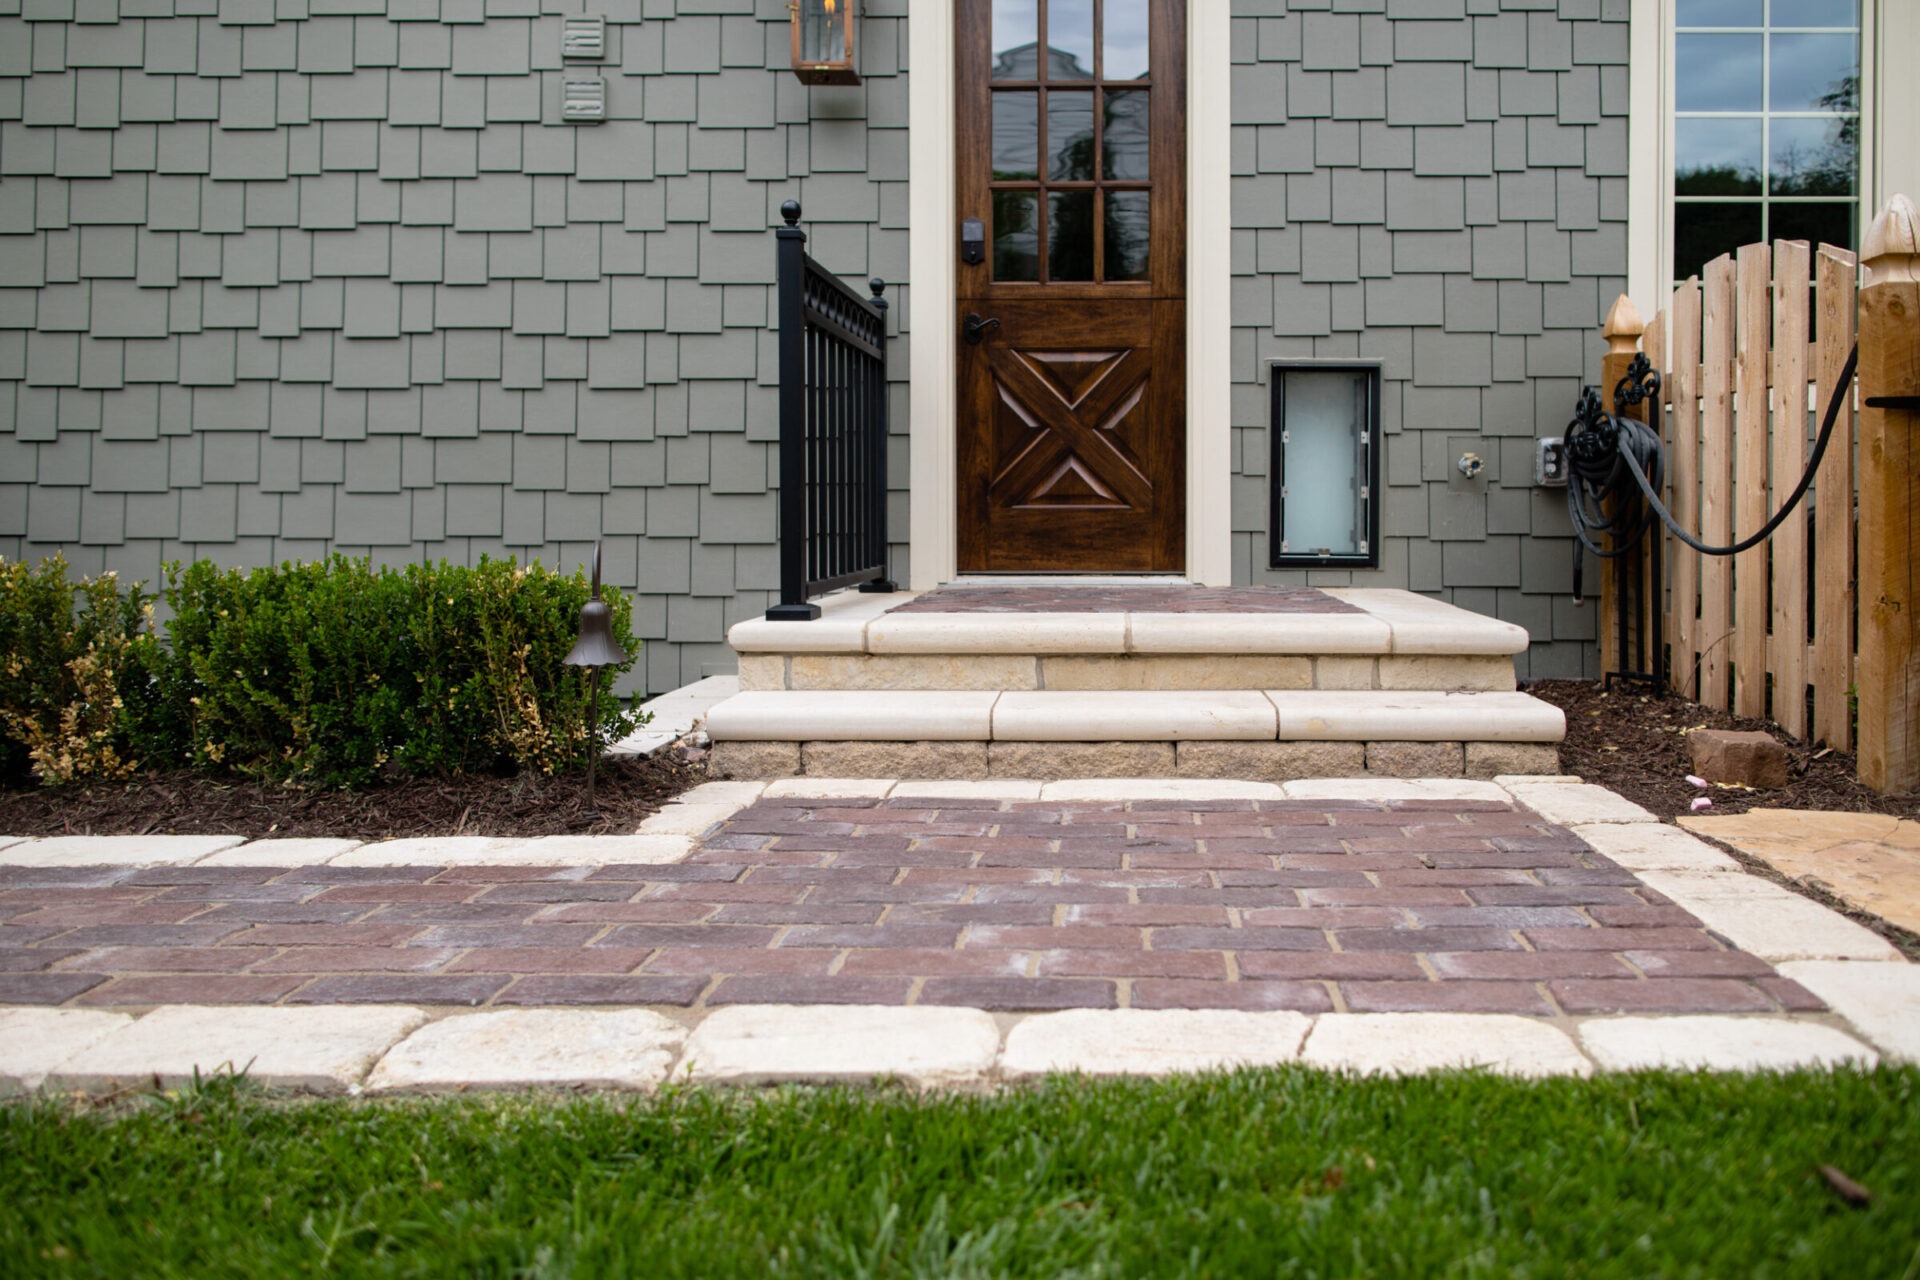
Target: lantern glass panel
823 30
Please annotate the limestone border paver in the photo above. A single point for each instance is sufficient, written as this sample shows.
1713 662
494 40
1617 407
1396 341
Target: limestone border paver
1577 802
1104 715
293 851
1393 789
835 788
1150 1041
930 715
593 851
322 1047
1410 1043
425 851
530 1048
1882 1001
1196 789
770 1044
7 842
34 1041
1768 920
983 789
734 793
1653 846
115 851
1713 1043
686 819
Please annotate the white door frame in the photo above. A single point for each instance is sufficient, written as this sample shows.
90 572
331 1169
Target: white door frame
933 250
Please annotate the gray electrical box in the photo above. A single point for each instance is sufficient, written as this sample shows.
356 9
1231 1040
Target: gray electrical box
583 37
583 99
1550 461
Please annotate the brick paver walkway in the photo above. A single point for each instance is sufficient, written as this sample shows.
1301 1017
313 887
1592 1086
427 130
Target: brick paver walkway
1288 904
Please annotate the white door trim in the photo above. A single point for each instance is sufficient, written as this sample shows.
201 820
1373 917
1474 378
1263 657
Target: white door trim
933 243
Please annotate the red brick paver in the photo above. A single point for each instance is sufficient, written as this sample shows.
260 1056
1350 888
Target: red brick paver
1027 905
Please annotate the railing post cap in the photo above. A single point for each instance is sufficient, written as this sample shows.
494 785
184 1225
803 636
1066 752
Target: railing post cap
1624 325
790 210
1891 254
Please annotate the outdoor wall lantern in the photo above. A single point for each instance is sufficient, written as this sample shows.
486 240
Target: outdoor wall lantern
823 45
596 648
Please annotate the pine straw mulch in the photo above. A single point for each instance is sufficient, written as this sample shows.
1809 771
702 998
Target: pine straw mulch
627 790
1635 743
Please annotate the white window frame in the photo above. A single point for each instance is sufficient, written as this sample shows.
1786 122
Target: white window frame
1889 131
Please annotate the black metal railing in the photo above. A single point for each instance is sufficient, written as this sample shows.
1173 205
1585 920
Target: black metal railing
833 430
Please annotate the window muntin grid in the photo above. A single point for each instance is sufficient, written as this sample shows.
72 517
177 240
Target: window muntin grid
1766 125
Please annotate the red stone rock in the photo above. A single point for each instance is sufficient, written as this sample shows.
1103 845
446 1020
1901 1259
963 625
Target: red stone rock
1749 759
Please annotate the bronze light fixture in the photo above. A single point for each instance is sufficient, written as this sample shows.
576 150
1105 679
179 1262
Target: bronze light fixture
823 41
596 648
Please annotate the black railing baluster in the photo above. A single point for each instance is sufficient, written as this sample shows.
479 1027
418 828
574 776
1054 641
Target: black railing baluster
833 430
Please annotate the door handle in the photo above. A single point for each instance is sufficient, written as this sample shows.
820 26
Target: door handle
976 328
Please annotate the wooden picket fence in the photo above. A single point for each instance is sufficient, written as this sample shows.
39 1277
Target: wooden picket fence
1749 355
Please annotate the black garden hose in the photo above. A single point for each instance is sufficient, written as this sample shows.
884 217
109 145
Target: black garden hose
1605 449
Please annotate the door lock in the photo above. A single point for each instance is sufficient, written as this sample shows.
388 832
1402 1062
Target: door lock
976 328
973 241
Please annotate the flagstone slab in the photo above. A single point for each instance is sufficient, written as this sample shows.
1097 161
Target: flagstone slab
328 1048
1705 1042
1882 1001
294 851
1412 1043
1769 920
1871 860
771 1044
1653 846
33 1042
531 1048
116 851
1576 802
1151 1041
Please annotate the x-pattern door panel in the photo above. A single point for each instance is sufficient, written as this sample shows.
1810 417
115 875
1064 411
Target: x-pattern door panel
1072 380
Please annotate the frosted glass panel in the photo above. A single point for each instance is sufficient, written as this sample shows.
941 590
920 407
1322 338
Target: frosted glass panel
1326 420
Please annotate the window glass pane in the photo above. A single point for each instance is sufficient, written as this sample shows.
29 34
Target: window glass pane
1016 39
1717 73
1813 157
1125 136
1070 135
1718 13
1016 135
1124 41
1070 235
1070 39
1325 420
1816 13
1126 234
1016 235
1717 157
1704 231
1821 222
1815 73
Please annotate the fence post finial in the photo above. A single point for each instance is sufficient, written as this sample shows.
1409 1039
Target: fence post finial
1623 327
790 210
1892 250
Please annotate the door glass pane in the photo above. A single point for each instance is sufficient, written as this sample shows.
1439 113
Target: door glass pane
1016 135
1016 39
1125 131
1705 230
1070 136
1325 420
1126 235
1821 222
1717 73
1123 40
1816 13
1070 40
1813 157
1070 235
1016 235
1815 73
1717 157
1718 13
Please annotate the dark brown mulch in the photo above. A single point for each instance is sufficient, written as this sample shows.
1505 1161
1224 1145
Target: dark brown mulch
628 789
1635 743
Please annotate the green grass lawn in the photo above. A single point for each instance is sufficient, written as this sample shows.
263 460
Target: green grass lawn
1282 1173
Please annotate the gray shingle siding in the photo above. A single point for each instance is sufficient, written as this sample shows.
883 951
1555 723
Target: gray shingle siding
421 321
1439 185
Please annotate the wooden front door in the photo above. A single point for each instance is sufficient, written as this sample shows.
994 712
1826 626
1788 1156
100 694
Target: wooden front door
1072 321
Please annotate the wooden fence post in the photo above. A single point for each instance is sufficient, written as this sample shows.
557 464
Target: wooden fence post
1622 332
1889 662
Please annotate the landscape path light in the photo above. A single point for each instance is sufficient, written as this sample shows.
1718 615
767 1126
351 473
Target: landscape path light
596 648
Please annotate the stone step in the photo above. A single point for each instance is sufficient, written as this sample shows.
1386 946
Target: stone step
1224 715
762 672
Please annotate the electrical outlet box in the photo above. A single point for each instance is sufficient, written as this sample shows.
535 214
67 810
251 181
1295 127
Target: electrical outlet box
1550 461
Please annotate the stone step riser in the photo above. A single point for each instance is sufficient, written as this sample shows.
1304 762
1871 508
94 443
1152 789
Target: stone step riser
1124 672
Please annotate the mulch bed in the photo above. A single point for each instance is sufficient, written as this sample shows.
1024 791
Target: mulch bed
627 790
1635 743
